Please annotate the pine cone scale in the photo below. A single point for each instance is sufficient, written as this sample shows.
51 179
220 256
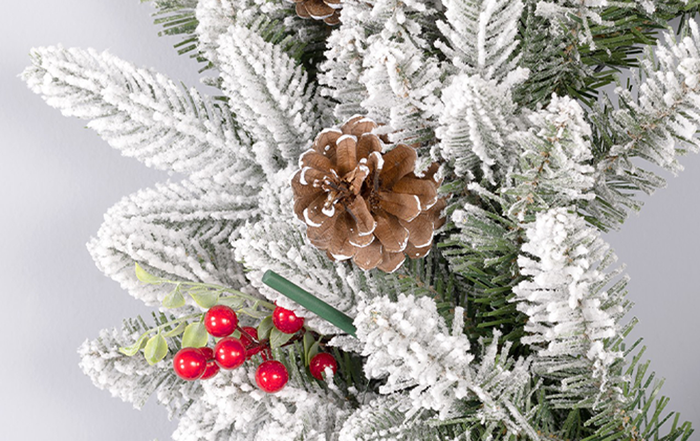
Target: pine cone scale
420 230
390 233
363 218
403 206
346 156
367 145
397 163
318 10
424 190
369 257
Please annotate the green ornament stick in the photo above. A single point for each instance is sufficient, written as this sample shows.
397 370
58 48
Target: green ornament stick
309 301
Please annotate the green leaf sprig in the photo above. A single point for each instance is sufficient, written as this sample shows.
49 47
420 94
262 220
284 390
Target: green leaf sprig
206 295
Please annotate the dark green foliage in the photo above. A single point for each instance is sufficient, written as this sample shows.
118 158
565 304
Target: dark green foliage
177 17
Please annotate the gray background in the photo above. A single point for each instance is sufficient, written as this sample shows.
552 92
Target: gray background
58 178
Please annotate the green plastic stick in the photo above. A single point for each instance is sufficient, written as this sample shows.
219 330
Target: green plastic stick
309 301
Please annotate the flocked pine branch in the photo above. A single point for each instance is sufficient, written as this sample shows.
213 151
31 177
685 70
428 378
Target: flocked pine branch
132 379
178 231
657 125
269 93
572 313
575 302
552 169
481 36
477 117
408 346
140 112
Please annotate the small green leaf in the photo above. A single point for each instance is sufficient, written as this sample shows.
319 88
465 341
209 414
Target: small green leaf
145 277
133 349
256 314
232 302
156 349
179 329
308 342
313 350
264 328
278 338
195 336
205 298
175 299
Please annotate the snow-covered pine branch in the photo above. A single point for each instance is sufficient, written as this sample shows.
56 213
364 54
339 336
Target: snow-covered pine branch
407 344
552 169
215 16
273 102
574 303
141 112
384 418
376 64
481 36
131 378
403 88
657 126
477 117
179 231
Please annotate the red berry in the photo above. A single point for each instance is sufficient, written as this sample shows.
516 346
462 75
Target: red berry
212 368
271 376
229 352
220 321
319 364
207 352
189 363
286 321
244 338
251 347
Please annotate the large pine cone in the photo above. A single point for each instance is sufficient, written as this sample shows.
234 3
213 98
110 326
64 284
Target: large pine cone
359 203
326 10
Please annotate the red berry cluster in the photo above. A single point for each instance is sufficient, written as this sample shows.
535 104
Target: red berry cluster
230 352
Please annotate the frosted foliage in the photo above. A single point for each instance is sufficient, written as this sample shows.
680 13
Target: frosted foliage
341 70
233 408
384 418
477 117
215 16
571 317
586 12
375 64
179 231
213 19
409 346
270 96
132 379
402 88
553 167
666 108
481 36
138 111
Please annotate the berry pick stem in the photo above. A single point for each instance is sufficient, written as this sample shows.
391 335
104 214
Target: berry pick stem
309 301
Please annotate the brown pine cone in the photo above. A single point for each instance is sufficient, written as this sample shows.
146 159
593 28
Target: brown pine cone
326 10
359 203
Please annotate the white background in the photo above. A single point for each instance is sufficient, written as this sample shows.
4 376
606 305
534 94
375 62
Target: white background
58 178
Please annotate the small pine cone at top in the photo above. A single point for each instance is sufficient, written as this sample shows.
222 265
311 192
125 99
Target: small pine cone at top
363 205
326 10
